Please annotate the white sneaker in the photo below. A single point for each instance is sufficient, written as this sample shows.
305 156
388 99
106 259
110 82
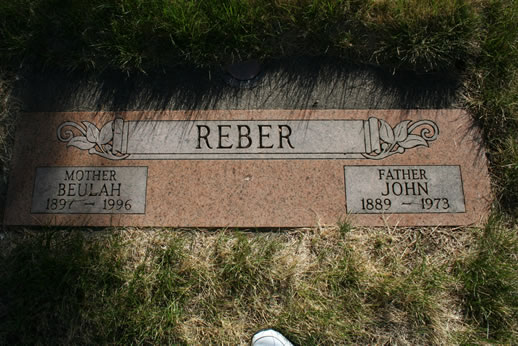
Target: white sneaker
270 337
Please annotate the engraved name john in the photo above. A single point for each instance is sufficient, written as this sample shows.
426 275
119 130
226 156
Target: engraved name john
404 189
373 138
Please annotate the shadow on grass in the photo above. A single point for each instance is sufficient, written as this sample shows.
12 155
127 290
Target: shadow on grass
490 283
61 287
47 280
191 287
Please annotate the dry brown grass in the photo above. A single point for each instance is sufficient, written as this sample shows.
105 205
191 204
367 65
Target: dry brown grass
316 285
324 285
300 286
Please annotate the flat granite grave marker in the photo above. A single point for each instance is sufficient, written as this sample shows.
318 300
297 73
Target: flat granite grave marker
248 168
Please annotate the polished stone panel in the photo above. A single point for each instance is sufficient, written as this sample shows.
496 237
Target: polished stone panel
89 190
404 189
250 168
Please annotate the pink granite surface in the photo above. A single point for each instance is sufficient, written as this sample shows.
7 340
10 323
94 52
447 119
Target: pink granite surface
247 193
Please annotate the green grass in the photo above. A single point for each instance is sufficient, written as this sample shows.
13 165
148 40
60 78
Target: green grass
319 286
491 96
196 287
138 35
490 283
217 287
45 282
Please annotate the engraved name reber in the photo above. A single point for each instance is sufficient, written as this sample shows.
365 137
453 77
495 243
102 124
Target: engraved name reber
371 139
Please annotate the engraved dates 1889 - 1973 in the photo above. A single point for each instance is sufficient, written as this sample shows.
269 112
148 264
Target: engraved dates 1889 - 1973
404 189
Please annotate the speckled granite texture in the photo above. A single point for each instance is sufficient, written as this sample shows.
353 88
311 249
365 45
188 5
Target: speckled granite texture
242 193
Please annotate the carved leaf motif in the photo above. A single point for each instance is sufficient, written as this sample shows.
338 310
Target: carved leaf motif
401 131
106 134
92 132
81 143
413 141
386 132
